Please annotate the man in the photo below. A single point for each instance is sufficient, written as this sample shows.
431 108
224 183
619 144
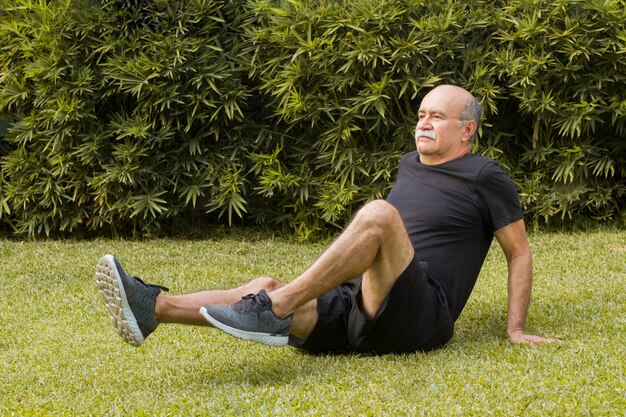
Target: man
398 276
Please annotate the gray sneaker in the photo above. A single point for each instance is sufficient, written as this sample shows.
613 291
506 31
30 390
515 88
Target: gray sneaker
129 301
250 319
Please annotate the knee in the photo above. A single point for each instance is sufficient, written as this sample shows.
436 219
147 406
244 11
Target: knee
379 214
267 283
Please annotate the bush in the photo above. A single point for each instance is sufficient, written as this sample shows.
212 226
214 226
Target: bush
128 115
563 64
125 112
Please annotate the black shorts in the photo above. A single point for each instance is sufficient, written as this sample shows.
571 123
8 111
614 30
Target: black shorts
413 317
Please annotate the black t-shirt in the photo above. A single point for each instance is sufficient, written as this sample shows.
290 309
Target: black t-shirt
450 212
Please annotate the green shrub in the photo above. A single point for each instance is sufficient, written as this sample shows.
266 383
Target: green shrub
125 111
563 63
129 115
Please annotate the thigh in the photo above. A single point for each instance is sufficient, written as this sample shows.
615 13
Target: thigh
414 316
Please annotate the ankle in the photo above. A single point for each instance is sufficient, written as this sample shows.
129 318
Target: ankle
280 308
160 306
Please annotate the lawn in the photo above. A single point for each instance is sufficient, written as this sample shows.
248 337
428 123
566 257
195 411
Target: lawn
60 356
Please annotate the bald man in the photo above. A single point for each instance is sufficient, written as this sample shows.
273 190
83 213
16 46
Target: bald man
398 276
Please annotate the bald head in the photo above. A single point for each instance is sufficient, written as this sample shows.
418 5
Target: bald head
469 108
451 91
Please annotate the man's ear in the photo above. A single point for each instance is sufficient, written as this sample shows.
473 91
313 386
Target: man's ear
469 128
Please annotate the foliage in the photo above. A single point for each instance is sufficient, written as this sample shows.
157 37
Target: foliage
564 63
124 112
128 115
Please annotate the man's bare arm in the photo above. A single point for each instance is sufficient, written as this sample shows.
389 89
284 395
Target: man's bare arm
512 239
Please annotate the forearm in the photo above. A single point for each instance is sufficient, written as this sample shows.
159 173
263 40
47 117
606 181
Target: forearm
513 240
519 292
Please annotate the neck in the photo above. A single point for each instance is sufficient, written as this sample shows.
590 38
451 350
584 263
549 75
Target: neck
434 160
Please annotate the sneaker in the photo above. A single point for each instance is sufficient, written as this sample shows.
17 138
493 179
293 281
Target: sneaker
129 301
250 319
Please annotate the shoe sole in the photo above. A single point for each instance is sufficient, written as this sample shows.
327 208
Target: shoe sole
265 338
112 293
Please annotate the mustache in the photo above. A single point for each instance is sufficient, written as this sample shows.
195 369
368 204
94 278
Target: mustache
427 133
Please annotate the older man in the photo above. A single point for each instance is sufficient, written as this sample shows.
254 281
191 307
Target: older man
398 276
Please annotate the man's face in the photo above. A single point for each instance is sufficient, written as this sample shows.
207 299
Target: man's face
439 137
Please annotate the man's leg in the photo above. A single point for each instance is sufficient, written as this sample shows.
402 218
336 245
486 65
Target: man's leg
136 308
375 245
184 309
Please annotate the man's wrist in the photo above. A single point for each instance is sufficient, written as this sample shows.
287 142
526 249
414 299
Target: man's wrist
513 331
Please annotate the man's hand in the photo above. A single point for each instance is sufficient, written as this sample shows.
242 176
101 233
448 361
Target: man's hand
519 337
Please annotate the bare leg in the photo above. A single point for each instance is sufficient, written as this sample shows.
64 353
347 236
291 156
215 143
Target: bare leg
184 309
375 244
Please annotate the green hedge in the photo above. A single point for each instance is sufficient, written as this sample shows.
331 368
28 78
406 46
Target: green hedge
128 116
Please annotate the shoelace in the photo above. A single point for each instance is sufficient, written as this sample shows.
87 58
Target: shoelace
248 302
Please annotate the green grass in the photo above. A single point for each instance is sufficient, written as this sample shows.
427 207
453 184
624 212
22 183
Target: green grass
60 356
